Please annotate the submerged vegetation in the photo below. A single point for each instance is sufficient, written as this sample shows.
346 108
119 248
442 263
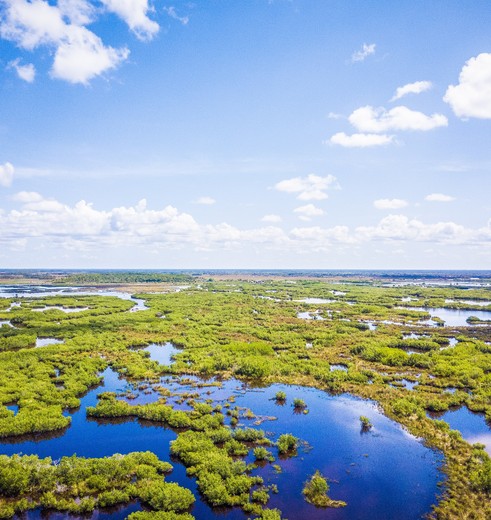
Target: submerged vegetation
370 340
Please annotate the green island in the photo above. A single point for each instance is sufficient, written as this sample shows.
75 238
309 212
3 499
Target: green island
356 336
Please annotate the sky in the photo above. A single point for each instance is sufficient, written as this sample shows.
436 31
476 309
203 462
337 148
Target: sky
309 134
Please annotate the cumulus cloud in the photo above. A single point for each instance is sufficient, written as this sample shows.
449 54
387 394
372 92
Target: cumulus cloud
135 14
472 96
308 211
26 72
400 227
360 140
206 201
379 120
439 197
390 203
79 53
412 88
83 227
311 187
365 51
6 174
83 56
271 218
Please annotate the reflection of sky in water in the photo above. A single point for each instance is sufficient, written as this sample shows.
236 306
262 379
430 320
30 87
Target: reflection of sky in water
453 317
356 462
472 426
44 342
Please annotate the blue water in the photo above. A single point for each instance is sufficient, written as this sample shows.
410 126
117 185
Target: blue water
356 462
472 426
452 317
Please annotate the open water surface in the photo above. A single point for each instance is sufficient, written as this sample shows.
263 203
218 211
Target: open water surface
356 462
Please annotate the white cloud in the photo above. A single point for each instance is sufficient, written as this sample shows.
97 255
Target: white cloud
134 13
400 227
365 51
79 12
27 196
308 211
26 72
334 115
271 218
472 96
360 140
207 201
439 197
379 120
171 11
6 174
412 88
311 187
82 56
83 227
390 203
79 54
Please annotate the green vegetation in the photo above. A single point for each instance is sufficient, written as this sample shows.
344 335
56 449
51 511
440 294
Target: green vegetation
251 330
365 423
315 492
280 396
79 485
299 404
287 444
115 277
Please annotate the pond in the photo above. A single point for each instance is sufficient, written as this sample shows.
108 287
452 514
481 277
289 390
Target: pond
310 316
44 342
7 323
452 317
161 353
471 425
356 462
36 291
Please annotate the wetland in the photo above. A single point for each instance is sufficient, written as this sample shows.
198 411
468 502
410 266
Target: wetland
247 396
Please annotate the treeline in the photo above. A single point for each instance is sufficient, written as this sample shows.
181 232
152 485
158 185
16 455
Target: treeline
123 277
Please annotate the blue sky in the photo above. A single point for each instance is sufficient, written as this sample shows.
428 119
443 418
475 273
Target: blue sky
245 134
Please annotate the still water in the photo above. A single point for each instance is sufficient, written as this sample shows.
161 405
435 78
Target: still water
356 462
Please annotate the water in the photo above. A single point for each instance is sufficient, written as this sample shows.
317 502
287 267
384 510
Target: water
356 462
479 303
405 383
36 291
316 300
452 317
471 425
162 353
44 342
6 322
310 316
343 368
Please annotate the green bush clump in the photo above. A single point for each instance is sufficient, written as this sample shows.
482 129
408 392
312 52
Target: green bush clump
261 453
299 404
80 485
280 396
287 443
315 492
